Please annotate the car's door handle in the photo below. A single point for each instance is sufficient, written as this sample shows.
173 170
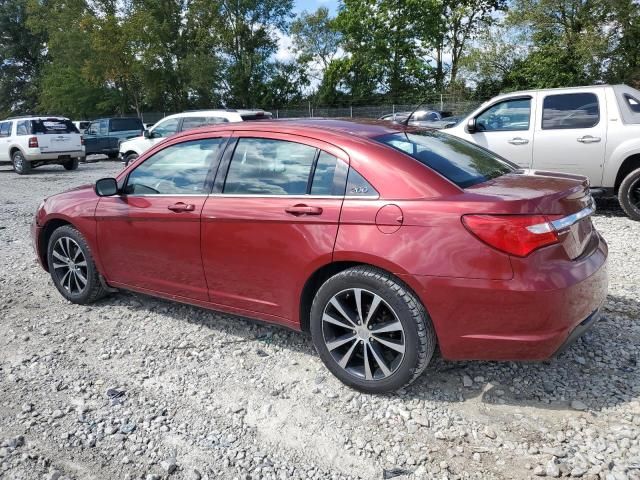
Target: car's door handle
182 207
518 141
302 209
589 139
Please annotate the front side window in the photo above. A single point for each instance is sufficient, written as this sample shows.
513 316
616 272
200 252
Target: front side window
93 128
570 110
104 127
262 166
508 116
461 162
180 169
166 128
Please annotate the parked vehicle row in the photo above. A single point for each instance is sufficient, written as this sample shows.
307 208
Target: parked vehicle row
382 240
29 142
591 131
179 122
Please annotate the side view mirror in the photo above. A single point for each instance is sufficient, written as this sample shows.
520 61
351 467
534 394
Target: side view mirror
106 187
471 125
147 134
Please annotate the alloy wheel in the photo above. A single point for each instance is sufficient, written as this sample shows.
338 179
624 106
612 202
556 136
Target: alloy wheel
70 265
18 161
363 334
634 193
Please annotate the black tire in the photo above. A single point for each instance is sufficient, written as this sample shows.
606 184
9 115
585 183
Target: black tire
130 158
20 164
93 288
629 195
71 164
417 330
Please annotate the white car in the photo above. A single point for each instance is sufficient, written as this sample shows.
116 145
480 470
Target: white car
591 131
29 142
179 122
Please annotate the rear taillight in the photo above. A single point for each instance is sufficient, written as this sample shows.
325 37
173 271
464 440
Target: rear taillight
517 235
33 142
81 140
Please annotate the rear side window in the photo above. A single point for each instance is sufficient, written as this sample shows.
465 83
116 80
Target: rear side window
633 103
326 178
52 126
195 122
124 124
571 110
459 161
5 129
23 128
262 166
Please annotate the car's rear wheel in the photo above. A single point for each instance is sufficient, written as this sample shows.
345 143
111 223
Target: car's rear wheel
21 165
370 330
72 267
71 164
629 195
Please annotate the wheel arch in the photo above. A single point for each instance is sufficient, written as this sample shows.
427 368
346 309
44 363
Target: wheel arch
323 273
630 164
43 241
13 149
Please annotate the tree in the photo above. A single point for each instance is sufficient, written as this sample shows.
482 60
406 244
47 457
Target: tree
315 40
246 30
21 54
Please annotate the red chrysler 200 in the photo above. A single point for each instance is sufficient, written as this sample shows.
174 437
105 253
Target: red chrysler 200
382 241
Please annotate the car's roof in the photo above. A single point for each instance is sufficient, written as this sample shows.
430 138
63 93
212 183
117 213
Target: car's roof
543 90
35 117
219 112
367 128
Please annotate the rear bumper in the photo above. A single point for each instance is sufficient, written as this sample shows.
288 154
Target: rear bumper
37 157
529 317
578 331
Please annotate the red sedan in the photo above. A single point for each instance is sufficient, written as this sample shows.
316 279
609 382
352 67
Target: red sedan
383 241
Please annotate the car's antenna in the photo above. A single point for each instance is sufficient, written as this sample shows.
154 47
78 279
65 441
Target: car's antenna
406 122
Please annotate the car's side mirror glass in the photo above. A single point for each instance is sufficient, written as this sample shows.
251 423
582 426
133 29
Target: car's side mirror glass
147 134
471 126
106 187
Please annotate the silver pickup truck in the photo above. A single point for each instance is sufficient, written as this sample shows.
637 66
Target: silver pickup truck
592 131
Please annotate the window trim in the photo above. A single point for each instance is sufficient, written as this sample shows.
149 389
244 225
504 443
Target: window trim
211 174
225 164
598 102
504 100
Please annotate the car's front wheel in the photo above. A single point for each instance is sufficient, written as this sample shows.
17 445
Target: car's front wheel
130 158
371 331
629 195
72 268
21 165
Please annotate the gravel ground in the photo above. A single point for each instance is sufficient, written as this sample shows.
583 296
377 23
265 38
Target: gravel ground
135 387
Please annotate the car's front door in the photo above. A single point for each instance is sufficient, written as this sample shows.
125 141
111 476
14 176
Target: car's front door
149 236
571 131
506 128
271 221
90 136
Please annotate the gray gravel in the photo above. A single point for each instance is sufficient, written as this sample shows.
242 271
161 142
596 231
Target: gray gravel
135 387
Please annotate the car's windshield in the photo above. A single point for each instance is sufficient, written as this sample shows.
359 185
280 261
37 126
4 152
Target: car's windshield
457 160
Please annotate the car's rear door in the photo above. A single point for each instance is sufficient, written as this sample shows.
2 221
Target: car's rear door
149 236
271 221
571 132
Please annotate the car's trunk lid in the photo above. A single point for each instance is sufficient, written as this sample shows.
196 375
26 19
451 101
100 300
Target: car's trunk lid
564 198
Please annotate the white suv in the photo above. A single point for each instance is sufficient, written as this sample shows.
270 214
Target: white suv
172 124
28 142
591 131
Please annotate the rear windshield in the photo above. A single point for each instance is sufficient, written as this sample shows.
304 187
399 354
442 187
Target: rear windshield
52 126
461 162
123 124
256 116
